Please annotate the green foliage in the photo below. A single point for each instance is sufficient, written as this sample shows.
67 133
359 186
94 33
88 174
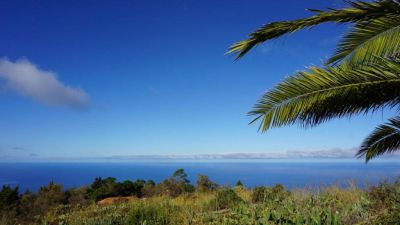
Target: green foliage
315 96
385 202
204 183
149 188
77 196
264 194
162 213
48 197
378 37
385 138
176 185
180 176
128 188
225 198
102 188
239 183
223 206
359 12
8 197
363 76
109 187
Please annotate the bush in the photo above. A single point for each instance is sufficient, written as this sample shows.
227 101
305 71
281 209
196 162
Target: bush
176 185
149 188
129 188
77 196
264 194
204 184
102 188
385 202
259 194
108 187
26 206
8 197
49 197
226 198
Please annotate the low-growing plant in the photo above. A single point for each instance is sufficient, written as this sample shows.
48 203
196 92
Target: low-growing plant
263 194
225 198
154 213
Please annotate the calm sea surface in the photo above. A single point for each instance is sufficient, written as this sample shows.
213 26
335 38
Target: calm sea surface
291 174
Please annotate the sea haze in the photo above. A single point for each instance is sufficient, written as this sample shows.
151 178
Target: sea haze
291 174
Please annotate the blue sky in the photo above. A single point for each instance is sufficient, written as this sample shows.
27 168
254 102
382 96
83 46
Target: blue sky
152 77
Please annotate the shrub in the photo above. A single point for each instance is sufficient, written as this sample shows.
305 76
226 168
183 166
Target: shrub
226 198
204 184
149 188
77 196
26 206
49 197
102 188
385 203
264 194
259 194
128 188
8 197
8 204
176 185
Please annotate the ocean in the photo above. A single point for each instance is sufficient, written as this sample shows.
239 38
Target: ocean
291 174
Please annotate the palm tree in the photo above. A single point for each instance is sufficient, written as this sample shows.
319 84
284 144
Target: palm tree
362 76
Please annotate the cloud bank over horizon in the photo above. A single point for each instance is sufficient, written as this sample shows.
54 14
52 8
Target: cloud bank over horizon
27 79
335 153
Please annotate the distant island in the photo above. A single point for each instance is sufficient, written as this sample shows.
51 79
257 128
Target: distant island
176 200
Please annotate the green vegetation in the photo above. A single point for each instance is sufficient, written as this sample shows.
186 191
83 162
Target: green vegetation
175 201
362 76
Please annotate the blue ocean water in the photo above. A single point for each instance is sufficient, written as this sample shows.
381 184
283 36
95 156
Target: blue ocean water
291 174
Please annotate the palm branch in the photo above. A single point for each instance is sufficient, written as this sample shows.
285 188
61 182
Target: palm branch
359 11
319 94
363 75
384 139
378 37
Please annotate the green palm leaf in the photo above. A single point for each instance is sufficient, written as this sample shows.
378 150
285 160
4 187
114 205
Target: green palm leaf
384 139
379 37
359 11
314 96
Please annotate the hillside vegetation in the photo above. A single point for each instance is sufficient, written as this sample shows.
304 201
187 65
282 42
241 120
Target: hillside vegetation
176 201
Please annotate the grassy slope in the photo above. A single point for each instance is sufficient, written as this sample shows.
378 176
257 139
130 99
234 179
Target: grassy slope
332 205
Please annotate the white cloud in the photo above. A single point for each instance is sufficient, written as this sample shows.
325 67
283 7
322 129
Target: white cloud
26 79
335 153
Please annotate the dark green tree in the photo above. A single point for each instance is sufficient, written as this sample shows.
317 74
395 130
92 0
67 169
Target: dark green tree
239 183
49 197
102 188
204 183
8 197
176 185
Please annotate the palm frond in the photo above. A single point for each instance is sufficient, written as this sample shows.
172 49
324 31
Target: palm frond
358 11
384 139
378 37
319 94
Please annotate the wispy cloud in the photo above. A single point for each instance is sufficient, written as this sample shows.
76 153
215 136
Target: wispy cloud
27 79
15 153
